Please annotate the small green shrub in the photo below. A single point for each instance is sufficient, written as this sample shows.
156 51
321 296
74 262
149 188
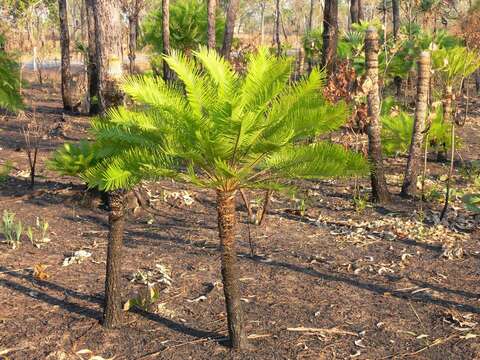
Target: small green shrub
12 230
74 159
5 171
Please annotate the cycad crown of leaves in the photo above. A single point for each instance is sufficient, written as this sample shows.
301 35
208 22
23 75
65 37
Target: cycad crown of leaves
226 131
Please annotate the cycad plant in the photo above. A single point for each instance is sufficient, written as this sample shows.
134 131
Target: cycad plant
10 98
223 131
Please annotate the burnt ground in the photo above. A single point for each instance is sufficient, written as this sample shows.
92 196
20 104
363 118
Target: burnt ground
379 283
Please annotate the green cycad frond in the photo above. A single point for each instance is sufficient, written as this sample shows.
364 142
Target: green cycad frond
226 130
319 160
128 168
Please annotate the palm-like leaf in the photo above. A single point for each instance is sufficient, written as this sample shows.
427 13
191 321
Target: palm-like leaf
228 131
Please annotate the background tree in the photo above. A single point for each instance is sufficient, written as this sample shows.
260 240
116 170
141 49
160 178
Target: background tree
65 54
379 184
231 16
166 36
132 10
211 28
330 35
93 75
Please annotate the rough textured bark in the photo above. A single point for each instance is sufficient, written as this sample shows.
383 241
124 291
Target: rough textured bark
354 18
65 55
262 23
231 283
132 41
361 14
166 36
310 16
100 53
330 35
112 313
379 185
232 10
477 81
276 34
92 69
211 17
409 187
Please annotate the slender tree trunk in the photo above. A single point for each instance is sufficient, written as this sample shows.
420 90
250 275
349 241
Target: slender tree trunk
65 50
447 117
132 41
396 29
361 14
354 19
396 17
112 313
277 28
100 52
379 185
166 37
262 23
310 15
232 10
211 18
330 35
92 69
450 173
230 275
409 187
477 81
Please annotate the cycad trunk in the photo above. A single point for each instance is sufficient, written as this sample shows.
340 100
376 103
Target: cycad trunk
112 313
166 37
211 13
231 283
232 11
409 187
379 185
65 54
330 35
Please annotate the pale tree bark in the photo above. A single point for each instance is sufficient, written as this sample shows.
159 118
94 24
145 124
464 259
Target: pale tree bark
330 35
230 273
166 37
409 187
107 47
211 20
379 185
112 314
310 16
92 69
232 10
262 22
65 55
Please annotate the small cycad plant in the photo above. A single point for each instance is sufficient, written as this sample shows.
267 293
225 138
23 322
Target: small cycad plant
221 130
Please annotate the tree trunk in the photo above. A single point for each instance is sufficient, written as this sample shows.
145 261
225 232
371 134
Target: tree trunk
447 116
379 184
354 19
92 69
65 50
230 275
361 14
396 17
132 41
108 49
310 16
409 187
277 28
112 313
262 23
166 37
477 81
330 35
232 10
211 18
